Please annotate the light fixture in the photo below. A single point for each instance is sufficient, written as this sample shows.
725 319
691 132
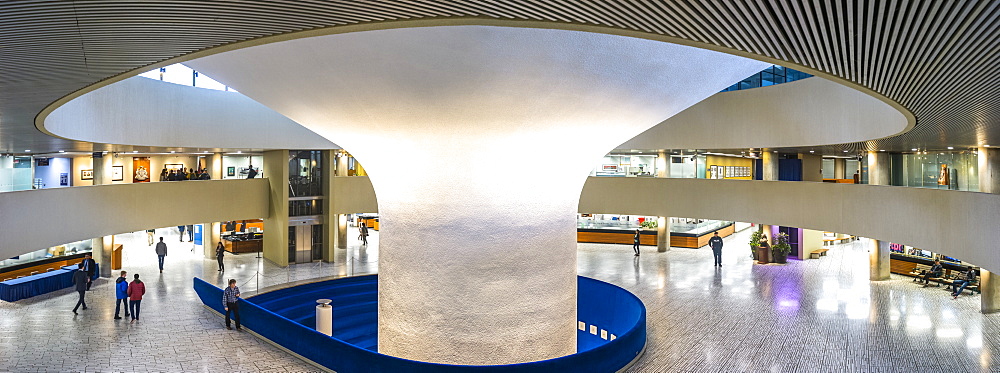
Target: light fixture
172 152
845 151
881 150
951 147
239 152
914 149
812 151
62 151
135 151
27 150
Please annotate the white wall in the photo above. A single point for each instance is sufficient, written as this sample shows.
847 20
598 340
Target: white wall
240 161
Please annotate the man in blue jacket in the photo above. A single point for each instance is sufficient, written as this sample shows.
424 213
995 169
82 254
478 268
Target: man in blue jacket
121 295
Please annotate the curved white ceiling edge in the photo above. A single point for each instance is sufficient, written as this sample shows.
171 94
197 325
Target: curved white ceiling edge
963 225
122 208
147 112
808 112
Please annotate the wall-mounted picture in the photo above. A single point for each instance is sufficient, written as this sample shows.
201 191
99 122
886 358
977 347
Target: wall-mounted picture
117 173
140 169
713 172
231 171
173 166
87 174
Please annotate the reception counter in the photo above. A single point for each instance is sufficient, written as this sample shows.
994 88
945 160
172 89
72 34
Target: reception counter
41 265
239 243
692 239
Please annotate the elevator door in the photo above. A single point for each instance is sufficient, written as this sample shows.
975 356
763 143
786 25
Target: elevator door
303 243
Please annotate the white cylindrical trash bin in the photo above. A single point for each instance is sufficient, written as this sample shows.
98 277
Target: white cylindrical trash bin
324 317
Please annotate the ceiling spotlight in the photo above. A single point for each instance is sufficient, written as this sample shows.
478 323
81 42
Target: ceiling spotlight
951 147
62 151
172 152
914 149
135 151
881 150
845 151
27 150
986 146
812 151
239 152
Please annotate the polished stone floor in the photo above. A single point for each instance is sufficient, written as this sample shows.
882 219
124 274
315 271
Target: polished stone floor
808 316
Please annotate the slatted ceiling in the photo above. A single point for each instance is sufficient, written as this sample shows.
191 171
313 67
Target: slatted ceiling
937 58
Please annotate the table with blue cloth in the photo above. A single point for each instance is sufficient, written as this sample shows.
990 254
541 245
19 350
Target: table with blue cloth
29 286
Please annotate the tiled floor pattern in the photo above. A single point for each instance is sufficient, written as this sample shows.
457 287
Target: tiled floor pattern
808 316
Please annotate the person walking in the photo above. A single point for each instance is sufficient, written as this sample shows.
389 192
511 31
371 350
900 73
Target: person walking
89 266
716 244
121 295
161 252
230 298
635 242
181 228
81 280
364 234
220 252
190 230
135 292
150 233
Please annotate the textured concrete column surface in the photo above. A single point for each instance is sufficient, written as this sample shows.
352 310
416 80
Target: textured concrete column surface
878 260
989 286
662 234
839 168
878 168
989 182
276 222
465 276
101 246
878 174
212 234
769 163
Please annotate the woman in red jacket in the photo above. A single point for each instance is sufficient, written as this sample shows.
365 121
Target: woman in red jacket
135 291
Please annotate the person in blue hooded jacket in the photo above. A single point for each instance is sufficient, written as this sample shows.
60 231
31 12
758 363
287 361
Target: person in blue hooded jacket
121 295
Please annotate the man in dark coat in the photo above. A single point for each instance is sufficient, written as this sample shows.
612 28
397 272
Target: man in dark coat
716 244
80 280
89 266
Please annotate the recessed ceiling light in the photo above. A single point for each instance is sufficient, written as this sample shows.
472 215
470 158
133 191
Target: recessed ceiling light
239 152
986 146
62 151
27 150
845 151
135 151
812 151
172 152
881 150
914 149
951 147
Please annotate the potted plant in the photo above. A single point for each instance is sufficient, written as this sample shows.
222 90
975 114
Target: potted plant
781 248
755 239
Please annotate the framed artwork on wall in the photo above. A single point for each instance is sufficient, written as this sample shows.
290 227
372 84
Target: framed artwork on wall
231 171
173 166
117 173
87 174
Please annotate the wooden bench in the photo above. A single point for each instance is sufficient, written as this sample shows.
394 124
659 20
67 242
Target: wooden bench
818 253
918 274
972 287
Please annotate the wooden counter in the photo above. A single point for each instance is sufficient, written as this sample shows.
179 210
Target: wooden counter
40 266
247 246
648 237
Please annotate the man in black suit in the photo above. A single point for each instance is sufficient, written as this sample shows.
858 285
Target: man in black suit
81 281
89 266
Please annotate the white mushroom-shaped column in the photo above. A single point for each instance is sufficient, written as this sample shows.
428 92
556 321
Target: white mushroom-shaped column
478 141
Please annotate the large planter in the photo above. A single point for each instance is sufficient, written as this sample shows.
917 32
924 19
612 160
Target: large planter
779 257
761 254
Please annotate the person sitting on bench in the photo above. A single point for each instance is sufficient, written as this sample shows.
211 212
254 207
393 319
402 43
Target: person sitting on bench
968 277
935 272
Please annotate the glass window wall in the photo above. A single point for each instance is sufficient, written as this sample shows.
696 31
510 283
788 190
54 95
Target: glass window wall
304 173
942 170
